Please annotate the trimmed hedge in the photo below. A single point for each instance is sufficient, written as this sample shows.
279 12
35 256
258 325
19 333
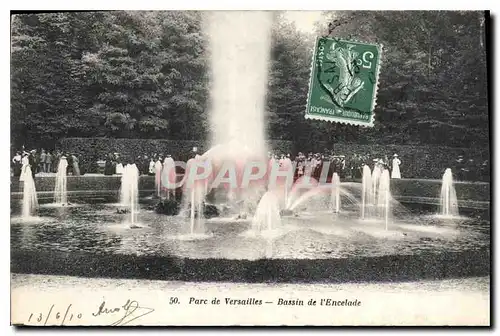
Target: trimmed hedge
466 191
90 150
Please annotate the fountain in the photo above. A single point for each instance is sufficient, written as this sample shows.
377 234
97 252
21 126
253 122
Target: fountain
129 195
168 177
377 171
240 44
366 192
448 204
192 206
196 220
376 194
125 187
384 197
267 216
60 189
30 201
335 193
239 69
296 196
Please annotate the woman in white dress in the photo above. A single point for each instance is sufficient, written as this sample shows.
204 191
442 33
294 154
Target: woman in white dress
151 169
395 167
119 168
24 163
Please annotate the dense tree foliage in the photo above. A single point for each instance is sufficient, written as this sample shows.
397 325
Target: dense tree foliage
120 74
144 75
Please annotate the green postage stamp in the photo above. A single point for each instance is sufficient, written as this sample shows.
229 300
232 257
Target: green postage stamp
344 81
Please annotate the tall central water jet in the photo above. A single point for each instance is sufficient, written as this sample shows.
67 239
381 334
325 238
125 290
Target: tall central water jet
240 43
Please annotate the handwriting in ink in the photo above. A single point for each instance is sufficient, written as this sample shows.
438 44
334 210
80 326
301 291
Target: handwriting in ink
129 312
57 316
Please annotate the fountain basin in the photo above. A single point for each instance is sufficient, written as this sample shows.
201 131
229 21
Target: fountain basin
86 241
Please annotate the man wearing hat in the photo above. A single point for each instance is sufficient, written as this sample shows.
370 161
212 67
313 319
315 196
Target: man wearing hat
395 167
33 162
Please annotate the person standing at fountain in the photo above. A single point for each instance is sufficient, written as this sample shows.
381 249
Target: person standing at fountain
315 165
144 163
16 164
24 163
33 162
396 174
288 162
300 165
48 162
43 156
355 167
108 166
310 165
55 159
151 167
342 164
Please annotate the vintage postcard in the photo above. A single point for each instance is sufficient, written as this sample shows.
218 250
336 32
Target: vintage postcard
174 168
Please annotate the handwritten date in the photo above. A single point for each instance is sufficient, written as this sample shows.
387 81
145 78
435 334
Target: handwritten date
55 316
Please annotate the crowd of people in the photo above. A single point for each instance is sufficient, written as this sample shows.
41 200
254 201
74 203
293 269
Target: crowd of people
352 166
312 164
146 164
46 161
306 164
43 161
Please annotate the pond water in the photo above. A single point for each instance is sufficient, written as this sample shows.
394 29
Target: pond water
100 229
